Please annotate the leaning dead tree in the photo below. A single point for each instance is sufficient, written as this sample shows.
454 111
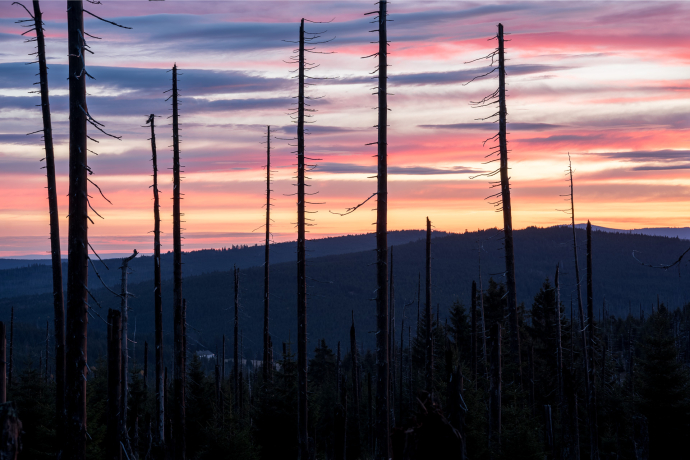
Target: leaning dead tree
267 365
503 201
178 368
583 333
56 260
157 295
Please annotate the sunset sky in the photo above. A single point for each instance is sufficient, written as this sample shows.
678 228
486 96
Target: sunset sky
606 81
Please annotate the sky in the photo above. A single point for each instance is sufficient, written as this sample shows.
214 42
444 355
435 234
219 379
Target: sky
606 82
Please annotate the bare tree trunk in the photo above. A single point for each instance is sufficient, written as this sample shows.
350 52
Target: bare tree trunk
178 321
391 343
495 393
56 259
409 371
473 335
218 402
114 416
301 266
267 365
235 365
507 209
566 435
157 295
9 376
592 404
419 297
77 241
482 318
429 362
382 363
355 444
3 364
402 367
124 310
583 333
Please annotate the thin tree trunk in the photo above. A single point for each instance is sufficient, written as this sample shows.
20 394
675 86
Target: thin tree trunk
583 333
382 363
402 368
355 444
3 364
303 436
592 403
409 370
507 209
267 366
235 364
114 414
178 321
481 311
566 435
495 393
391 342
124 310
429 362
157 295
473 335
9 376
218 404
77 241
56 259
419 297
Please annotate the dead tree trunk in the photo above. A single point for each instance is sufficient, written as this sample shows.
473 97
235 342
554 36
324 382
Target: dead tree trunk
402 367
124 310
473 335
495 393
429 338
485 351
303 435
507 209
355 444
178 368
9 372
583 333
267 365
114 417
592 404
77 241
382 364
3 364
566 432
235 364
157 295
391 343
56 259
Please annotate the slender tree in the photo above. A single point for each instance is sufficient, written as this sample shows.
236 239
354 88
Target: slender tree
355 444
77 241
382 443
302 424
473 335
179 370
114 407
3 364
429 338
235 364
157 294
124 310
391 342
267 366
481 312
592 405
506 204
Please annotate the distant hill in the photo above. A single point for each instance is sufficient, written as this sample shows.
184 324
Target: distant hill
341 283
22 277
681 232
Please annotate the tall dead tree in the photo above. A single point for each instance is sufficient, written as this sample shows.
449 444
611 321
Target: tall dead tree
124 310
235 363
583 333
391 342
592 405
178 330
56 259
9 371
429 338
267 365
77 240
382 364
355 444
3 364
114 414
157 294
473 335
